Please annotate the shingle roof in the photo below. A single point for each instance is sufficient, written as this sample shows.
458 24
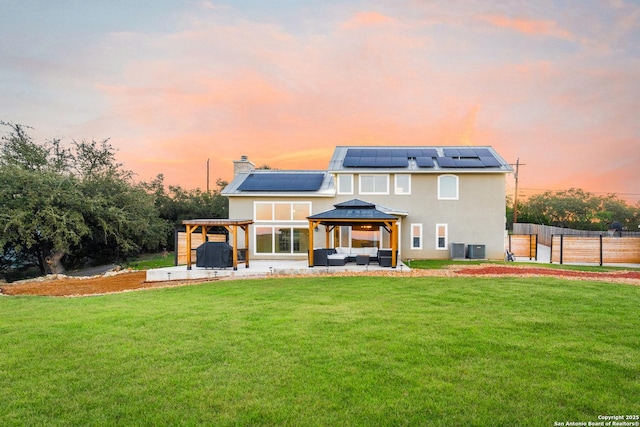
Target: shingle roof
353 210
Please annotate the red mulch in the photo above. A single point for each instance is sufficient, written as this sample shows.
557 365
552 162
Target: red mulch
499 270
80 286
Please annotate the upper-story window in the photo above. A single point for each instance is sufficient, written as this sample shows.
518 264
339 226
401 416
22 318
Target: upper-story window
403 184
282 211
374 184
448 187
345 184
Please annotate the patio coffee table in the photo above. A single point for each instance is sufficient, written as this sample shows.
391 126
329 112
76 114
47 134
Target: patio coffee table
362 259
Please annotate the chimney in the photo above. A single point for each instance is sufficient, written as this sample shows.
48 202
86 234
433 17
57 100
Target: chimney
242 166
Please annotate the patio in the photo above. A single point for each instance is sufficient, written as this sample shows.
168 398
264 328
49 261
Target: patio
263 268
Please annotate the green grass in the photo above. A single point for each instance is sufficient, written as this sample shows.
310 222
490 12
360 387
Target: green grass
149 261
324 351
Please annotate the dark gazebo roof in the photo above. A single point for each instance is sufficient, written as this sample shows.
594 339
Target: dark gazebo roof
353 210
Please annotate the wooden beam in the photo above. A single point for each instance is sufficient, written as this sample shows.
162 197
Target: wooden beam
189 229
327 238
235 247
245 228
394 244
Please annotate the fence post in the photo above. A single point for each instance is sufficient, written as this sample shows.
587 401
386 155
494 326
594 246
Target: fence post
551 250
561 244
601 249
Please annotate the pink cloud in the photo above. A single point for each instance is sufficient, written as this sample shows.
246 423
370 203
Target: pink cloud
528 26
366 19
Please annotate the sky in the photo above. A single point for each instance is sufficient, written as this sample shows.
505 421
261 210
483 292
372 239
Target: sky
555 84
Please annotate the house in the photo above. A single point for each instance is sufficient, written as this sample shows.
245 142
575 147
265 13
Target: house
437 203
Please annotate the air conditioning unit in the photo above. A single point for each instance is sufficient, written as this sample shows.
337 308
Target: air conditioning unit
476 252
457 251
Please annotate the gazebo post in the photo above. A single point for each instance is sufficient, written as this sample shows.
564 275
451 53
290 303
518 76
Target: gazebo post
245 228
235 247
327 240
204 230
311 226
394 244
189 231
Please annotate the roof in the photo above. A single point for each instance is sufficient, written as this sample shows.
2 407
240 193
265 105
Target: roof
355 210
367 159
417 159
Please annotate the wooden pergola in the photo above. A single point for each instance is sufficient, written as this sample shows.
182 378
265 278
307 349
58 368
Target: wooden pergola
231 225
354 212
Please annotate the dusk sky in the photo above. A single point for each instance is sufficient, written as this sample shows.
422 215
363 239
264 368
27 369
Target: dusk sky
173 83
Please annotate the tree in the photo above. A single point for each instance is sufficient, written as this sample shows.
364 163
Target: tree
178 204
75 202
576 208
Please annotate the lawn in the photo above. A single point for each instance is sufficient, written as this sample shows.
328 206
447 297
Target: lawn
325 351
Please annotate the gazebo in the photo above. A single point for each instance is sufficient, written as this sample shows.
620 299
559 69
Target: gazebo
350 213
231 225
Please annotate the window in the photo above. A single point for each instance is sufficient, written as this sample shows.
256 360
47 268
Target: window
403 184
416 236
365 236
264 240
345 184
441 236
281 240
374 184
278 229
448 187
282 211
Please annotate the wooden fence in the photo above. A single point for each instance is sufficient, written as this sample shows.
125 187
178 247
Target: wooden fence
196 240
523 245
600 249
545 232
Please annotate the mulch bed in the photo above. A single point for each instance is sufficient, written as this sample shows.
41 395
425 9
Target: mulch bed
64 286
498 270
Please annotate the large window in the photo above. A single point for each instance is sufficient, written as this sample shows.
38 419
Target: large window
374 184
282 211
361 237
279 228
345 184
441 236
448 187
365 236
416 236
403 184
281 240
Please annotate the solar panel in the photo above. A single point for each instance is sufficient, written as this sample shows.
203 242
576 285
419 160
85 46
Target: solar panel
467 152
282 182
468 163
351 162
451 152
490 161
376 158
446 162
454 157
425 162
429 152
483 152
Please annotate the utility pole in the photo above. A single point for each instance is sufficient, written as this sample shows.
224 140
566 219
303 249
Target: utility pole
515 200
208 176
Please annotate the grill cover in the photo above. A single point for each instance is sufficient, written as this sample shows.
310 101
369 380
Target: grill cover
214 255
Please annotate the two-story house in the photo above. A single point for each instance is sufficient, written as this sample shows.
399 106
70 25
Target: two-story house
443 198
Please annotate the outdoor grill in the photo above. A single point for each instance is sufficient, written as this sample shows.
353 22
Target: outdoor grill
214 255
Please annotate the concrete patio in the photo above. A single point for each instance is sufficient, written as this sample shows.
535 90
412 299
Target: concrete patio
263 268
